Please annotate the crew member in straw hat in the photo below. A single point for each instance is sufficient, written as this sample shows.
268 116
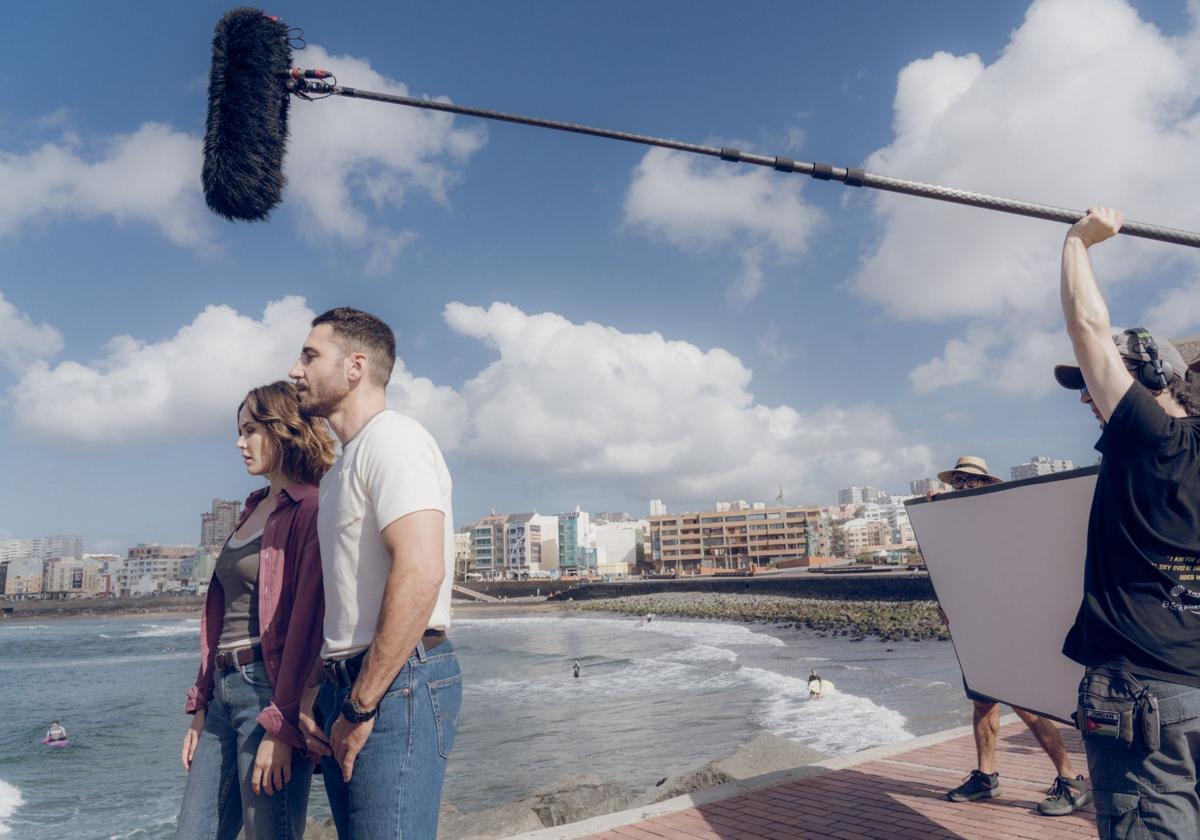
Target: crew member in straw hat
1068 792
968 473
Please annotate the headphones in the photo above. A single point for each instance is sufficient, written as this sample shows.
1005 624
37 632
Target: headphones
1156 373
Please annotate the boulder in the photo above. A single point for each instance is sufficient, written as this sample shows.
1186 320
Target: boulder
765 753
501 821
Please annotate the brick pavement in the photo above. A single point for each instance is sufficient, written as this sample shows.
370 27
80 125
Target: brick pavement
898 796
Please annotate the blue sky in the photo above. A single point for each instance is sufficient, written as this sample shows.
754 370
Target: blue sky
580 321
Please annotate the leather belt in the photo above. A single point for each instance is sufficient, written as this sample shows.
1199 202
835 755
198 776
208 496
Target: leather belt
343 672
226 659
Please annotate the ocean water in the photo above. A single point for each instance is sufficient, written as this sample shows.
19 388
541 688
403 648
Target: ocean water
652 700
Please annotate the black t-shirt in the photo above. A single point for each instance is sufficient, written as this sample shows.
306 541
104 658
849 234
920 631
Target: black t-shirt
1141 586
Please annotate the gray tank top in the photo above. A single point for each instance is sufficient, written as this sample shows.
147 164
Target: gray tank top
237 570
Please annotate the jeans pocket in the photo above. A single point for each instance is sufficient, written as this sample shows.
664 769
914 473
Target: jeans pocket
255 674
446 698
1117 815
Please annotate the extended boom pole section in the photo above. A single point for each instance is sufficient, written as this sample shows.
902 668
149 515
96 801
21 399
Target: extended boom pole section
821 171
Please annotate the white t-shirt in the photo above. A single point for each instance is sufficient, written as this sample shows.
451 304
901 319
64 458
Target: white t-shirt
391 468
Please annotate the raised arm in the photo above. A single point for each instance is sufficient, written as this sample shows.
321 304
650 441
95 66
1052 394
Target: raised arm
1086 313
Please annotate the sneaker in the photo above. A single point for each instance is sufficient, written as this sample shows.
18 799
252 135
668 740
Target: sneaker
1064 796
976 786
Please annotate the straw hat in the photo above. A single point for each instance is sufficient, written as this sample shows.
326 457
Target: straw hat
969 465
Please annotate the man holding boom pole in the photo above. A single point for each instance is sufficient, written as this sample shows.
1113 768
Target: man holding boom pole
1138 627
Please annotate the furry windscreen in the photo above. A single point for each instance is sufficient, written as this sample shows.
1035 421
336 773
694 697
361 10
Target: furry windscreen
246 132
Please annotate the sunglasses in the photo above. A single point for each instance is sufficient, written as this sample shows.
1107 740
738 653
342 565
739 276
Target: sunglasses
960 482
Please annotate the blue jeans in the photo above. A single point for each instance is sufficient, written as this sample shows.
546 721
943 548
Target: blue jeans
396 788
218 801
1142 794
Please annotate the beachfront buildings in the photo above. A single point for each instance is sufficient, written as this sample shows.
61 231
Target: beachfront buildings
858 495
1040 465
41 548
691 543
617 546
925 486
72 577
530 544
463 556
218 523
487 545
576 553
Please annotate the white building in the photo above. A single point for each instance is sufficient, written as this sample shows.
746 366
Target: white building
924 486
858 495
530 543
616 546
71 577
1040 465
657 508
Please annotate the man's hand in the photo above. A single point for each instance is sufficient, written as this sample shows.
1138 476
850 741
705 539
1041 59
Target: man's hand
1099 224
191 738
272 766
347 740
314 735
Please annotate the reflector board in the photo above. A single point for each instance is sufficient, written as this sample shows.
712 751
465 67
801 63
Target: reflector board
1006 562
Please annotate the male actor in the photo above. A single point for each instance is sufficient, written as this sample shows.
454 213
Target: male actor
392 692
1138 627
1069 791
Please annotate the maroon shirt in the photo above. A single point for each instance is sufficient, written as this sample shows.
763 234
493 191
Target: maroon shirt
291 610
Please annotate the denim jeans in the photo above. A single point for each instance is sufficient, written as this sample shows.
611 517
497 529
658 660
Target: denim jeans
218 801
396 788
1142 794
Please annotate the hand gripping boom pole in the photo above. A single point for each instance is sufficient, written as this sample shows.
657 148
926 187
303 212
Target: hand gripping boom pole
820 171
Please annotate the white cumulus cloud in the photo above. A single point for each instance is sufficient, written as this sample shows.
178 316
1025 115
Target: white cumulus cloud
560 400
1087 104
183 386
587 400
696 203
151 176
23 342
189 384
347 158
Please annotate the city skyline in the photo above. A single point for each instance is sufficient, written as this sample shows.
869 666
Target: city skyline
581 322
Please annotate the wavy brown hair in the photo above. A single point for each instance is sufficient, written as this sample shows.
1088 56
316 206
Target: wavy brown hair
305 444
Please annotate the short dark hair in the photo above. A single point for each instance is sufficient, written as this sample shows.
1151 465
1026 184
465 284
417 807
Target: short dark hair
362 332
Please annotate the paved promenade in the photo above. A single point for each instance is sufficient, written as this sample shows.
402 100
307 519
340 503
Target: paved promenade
893 792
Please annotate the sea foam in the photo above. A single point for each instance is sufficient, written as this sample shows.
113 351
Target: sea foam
835 723
187 627
10 801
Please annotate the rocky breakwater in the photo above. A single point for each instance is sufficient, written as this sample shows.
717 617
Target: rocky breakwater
887 620
582 797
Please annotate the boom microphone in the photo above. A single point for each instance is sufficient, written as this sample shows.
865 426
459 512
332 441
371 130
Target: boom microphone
247 131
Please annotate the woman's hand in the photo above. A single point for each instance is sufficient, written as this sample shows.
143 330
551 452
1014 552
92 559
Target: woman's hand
314 736
191 738
272 766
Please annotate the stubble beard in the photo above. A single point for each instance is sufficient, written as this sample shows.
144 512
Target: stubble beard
321 405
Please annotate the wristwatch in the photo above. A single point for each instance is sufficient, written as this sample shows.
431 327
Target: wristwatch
353 713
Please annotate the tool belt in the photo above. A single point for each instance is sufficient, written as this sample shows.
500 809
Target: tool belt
1116 709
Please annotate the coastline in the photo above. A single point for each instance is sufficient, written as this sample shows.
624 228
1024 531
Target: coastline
887 620
25 611
857 619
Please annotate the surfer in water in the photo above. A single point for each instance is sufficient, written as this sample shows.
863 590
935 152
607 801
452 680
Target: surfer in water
814 685
575 667
56 732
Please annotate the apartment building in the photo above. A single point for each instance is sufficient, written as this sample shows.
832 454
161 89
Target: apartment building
685 543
